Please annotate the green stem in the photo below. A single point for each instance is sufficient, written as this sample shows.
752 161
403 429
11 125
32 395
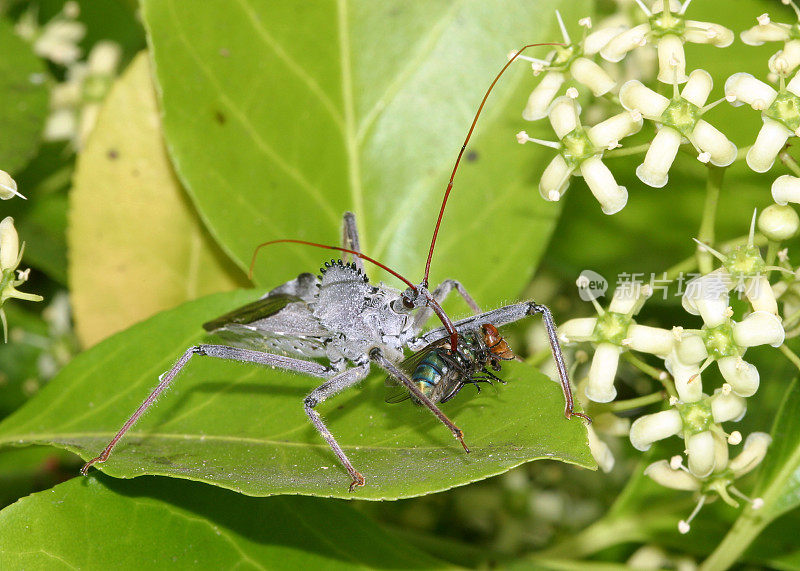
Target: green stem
739 538
630 404
772 253
635 150
791 355
705 260
789 161
652 372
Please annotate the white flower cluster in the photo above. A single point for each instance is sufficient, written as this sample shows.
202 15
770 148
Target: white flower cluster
75 103
10 277
692 413
678 120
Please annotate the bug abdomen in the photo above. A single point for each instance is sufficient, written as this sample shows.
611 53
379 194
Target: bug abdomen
429 373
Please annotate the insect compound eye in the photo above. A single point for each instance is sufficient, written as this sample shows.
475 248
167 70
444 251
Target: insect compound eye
407 303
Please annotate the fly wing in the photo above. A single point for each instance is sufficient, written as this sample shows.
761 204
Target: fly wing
395 390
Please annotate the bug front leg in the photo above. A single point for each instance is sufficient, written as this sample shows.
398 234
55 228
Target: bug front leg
440 294
378 356
220 352
336 384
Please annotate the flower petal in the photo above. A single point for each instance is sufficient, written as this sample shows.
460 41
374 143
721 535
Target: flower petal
740 375
652 427
615 128
786 60
577 330
771 139
741 88
542 95
708 33
563 113
653 340
600 387
785 189
555 179
633 95
611 196
591 75
700 453
710 140
768 32
753 452
671 60
9 245
598 39
659 158
620 45
663 474
698 87
759 328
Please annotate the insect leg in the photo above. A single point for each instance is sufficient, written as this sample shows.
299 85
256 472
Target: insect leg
440 294
350 238
338 383
220 352
377 355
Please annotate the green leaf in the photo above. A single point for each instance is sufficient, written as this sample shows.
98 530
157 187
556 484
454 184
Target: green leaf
101 523
778 483
243 427
294 112
23 91
136 243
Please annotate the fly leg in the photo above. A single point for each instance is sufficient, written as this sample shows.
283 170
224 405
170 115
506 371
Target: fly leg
510 314
220 352
329 388
440 294
350 238
377 355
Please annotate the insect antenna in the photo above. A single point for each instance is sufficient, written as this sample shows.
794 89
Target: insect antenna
437 309
464 147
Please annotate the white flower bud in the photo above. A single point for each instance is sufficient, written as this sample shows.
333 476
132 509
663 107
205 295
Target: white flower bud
621 44
701 454
785 189
786 60
766 32
104 58
563 114
741 88
577 330
611 196
760 295
615 128
597 40
659 158
698 87
727 406
653 340
600 451
542 95
759 328
771 139
652 427
662 474
671 60
591 75
9 244
600 387
753 452
706 137
633 95
708 33
62 124
8 186
555 179
778 222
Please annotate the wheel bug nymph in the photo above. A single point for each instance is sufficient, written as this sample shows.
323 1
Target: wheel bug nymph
339 316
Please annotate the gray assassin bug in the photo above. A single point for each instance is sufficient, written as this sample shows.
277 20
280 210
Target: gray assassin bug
341 317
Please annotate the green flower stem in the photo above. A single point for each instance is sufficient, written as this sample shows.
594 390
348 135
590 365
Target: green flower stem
791 355
705 260
789 161
772 254
630 404
741 154
652 372
635 150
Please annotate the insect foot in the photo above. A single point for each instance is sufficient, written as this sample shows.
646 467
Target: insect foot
358 480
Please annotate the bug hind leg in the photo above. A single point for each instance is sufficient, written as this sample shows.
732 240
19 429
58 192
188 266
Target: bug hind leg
336 384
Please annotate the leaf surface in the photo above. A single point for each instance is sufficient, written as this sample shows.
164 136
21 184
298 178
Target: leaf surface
293 112
136 243
243 427
101 523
